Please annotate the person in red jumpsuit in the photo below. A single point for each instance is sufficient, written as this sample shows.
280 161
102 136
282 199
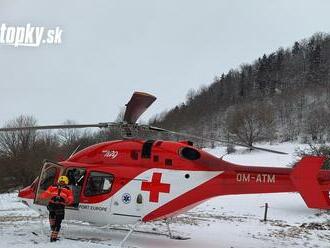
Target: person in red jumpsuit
60 196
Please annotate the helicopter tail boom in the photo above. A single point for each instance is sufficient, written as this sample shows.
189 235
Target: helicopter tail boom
312 184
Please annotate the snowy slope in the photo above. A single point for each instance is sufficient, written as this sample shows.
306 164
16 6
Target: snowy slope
228 221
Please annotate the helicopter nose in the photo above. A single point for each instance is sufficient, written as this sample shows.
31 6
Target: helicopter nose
26 193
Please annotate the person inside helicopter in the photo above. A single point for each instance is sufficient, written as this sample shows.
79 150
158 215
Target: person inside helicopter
75 177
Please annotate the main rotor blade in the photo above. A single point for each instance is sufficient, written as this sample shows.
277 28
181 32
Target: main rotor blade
138 104
100 125
214 140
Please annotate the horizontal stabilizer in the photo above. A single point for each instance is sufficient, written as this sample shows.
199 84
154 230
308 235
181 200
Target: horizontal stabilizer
305 177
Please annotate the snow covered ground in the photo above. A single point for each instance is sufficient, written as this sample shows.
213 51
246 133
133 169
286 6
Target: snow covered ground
228 221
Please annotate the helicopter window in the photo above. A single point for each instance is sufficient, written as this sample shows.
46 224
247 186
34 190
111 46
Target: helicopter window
146 149
189 153
98 183
168 161
48 178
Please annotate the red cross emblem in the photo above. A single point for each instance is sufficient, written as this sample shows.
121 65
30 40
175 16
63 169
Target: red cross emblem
155 187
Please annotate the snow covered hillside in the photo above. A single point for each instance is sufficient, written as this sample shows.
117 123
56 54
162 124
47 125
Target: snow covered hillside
228 221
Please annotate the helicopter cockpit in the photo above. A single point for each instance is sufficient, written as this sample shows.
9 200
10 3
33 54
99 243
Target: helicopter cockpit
51 172
84 184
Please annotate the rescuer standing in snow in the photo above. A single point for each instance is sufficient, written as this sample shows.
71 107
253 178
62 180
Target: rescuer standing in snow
60 195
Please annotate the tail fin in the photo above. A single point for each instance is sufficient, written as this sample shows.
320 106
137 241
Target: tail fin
305 177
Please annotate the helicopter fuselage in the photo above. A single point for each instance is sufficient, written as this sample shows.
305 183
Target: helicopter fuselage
122 182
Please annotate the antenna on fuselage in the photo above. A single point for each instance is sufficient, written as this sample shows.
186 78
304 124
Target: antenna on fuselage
75 151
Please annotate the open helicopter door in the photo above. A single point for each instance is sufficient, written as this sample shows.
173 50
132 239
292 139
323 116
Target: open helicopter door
49 175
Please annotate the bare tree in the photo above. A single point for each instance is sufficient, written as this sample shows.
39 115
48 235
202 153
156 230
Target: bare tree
18 149
250 123
13 144
316 123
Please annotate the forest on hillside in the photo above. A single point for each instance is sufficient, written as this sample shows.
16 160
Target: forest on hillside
282 96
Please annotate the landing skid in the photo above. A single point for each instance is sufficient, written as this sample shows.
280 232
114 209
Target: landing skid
133 229
164 233
177 237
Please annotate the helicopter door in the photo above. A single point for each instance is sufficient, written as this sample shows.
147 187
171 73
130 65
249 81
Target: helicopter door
49 175
95 199
128 204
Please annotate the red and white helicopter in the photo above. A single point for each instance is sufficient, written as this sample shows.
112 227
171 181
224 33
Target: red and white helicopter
130 181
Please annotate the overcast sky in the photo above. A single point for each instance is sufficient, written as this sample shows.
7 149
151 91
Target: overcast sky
111 48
